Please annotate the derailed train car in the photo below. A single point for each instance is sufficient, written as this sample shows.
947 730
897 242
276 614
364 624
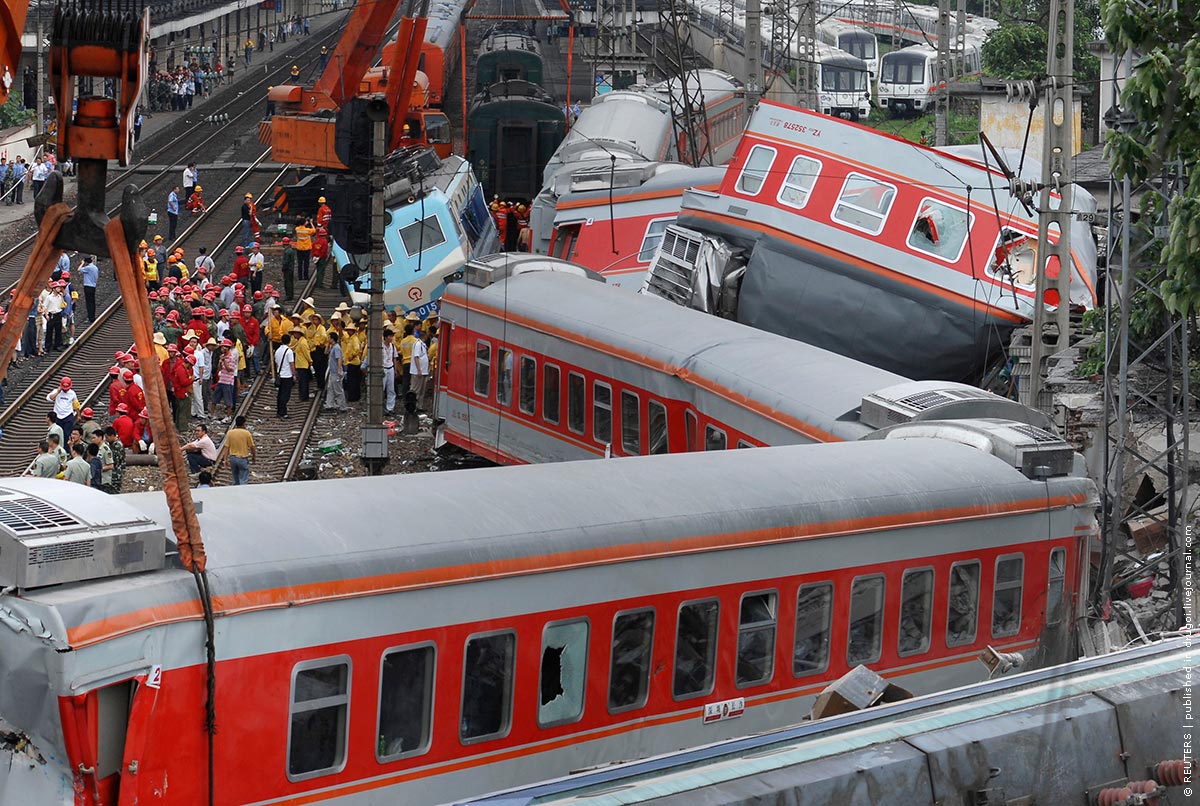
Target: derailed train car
542 363
519 626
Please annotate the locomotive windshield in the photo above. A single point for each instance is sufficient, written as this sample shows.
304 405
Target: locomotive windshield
904 68
835 78
858 43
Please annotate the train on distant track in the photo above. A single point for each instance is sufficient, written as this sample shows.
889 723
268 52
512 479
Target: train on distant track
842 78
908 79
521 624
544 363
513 124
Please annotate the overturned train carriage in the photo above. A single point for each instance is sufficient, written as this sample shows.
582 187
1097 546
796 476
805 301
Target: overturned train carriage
550 634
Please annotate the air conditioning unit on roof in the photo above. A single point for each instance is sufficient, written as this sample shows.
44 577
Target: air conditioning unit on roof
1037 453
943 400
52 532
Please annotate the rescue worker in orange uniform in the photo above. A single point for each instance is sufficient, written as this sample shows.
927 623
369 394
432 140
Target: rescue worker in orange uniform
324 214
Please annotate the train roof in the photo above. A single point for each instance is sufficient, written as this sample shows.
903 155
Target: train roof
443 21
298 543
637 178
794 380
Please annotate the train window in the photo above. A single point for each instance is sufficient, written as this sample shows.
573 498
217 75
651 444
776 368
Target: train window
1054 594
865 639
405 702
916 611
741 443
528 394
602 412
799 182
576 392
659 437
754 172
652 238
756 639
964 603
1006 596
320 706
487 686
504 372
483 368
691 425
421 235
563 673
696 648
714 439
814 612
940 230
550 401
864 203
629 675
631 424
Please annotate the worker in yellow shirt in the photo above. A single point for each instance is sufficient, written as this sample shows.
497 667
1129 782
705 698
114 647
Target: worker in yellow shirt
406 348
304 245
150 269
277 325
352 354
303 351
160 347
318 341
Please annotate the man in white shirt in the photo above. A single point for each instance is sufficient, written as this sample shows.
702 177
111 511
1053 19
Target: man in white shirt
198 374
256 266
285 371
189 185
389 370
418 369
203 261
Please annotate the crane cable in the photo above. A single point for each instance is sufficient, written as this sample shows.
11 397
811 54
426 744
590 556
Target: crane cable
184 522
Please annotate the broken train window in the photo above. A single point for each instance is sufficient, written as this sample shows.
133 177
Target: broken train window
563 673
940 230
696 648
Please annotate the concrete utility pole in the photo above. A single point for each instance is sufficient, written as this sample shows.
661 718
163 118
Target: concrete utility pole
753 78
374 432
941 127
1056 178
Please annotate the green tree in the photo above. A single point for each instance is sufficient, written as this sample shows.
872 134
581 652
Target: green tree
1162 98
1017 49
13 113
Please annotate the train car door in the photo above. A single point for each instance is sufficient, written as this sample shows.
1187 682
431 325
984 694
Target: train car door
516 165
106 732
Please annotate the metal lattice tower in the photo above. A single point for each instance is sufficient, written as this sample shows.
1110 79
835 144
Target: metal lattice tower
794 45
1146 379
689 119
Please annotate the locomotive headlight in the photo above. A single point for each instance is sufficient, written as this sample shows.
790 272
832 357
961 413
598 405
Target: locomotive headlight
827 99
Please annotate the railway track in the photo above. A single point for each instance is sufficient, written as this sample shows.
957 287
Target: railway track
258 407
87 361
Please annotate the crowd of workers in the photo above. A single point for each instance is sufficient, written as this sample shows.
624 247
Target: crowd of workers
512 222
213 335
